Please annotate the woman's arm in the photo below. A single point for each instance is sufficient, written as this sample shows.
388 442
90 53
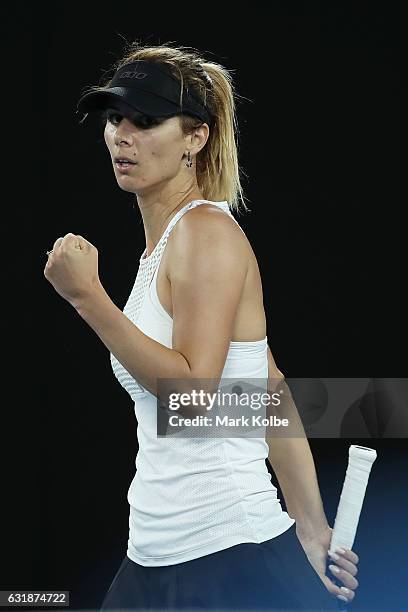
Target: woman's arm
207 270
292 462
145 359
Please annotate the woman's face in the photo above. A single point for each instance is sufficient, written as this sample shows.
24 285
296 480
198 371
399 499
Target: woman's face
156 146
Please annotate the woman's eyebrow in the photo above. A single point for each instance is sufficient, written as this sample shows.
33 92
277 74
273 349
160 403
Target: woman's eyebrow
129 115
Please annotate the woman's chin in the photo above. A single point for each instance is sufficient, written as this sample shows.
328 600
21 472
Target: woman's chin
129 188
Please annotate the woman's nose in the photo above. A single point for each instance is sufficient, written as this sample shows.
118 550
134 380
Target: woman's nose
121 136
123 132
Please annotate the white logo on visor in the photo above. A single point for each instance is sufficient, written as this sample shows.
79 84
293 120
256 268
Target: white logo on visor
133 75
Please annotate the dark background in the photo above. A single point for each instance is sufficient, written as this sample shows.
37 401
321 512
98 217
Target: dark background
323 145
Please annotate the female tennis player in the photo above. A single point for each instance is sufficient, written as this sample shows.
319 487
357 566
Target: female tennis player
206 529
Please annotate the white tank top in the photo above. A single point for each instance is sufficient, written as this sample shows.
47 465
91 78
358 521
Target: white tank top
193 496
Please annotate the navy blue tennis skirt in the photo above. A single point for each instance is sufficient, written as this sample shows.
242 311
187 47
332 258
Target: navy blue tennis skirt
273 575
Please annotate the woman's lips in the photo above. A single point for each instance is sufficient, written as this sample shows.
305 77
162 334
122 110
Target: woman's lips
124 166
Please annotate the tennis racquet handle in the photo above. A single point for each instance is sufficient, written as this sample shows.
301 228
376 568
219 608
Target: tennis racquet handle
358 471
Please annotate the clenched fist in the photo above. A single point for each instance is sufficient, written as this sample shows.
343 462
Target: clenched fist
72 268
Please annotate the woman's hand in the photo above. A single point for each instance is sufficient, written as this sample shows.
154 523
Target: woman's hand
316 549
72 268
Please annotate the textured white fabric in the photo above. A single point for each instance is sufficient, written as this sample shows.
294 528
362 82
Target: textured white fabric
193 496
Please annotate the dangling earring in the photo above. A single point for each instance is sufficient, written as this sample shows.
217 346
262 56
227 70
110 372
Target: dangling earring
189 162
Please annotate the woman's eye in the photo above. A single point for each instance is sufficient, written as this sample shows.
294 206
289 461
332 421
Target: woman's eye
113 117
145 122
110 116
141 121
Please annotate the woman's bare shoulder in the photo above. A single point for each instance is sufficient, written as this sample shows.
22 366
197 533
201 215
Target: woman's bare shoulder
209 220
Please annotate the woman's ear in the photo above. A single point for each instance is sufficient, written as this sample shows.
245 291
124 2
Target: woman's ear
199 138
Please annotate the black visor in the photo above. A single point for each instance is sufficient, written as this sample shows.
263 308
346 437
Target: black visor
149 89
